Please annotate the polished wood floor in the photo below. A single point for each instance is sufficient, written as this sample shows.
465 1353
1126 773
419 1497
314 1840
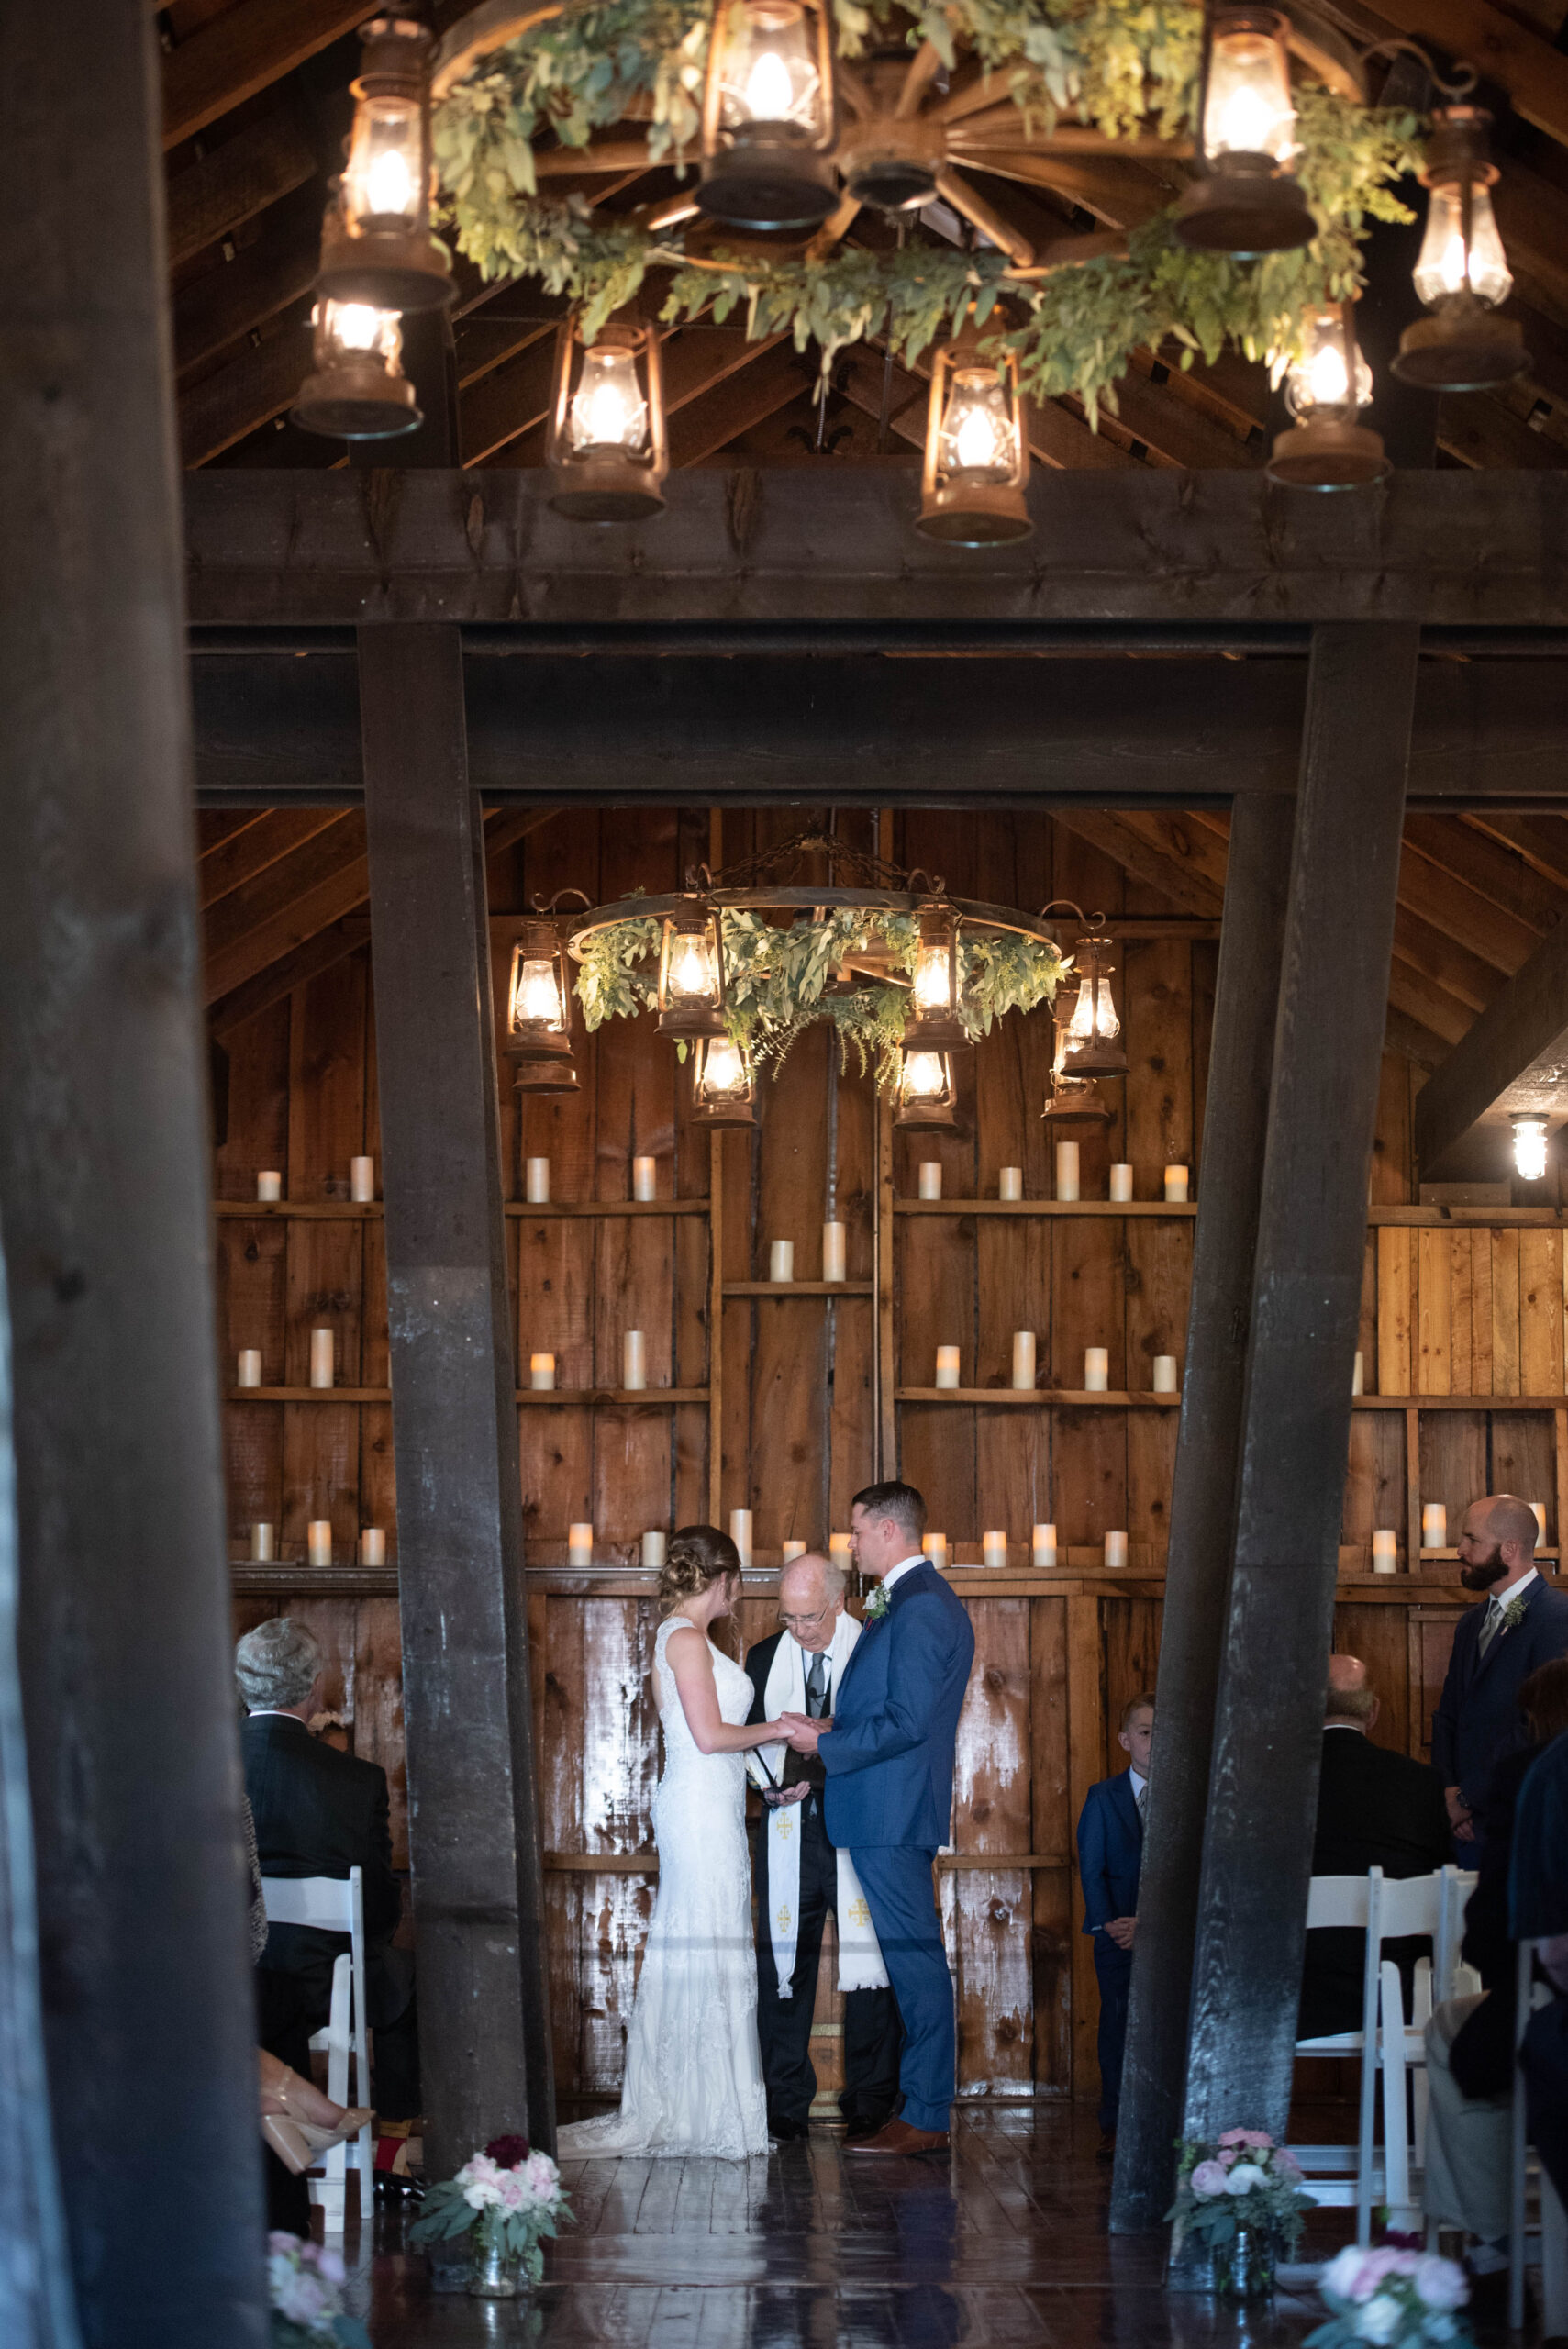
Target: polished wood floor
1004 2244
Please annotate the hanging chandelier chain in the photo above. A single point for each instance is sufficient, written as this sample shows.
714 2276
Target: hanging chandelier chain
857 866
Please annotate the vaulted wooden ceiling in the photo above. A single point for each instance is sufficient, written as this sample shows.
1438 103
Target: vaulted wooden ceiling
284 893
256 106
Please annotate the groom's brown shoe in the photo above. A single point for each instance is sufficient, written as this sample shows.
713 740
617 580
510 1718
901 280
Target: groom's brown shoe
898 2137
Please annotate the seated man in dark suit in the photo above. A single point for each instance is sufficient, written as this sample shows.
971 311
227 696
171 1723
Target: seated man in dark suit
319 1812
1376 1808
1497 1646
1110 1859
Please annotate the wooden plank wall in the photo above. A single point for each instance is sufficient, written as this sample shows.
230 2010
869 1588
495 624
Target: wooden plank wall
1450 1312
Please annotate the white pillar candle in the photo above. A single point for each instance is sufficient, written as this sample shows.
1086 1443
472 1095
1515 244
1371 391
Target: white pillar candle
1096 1369
654 1552
268 1186
319 1542
1116 1550
1358 1375
362 1178
1165 1374
1066 1170
994 1549
793 1549
840 1551
1043 1548
1540 1509
1121 1182
935 1546
833 1251
1010 1183
780 1260
644 1178
542 1372
1434 1526
740 1533
1023 1358
250 1367
536 1177
373 1546
947 1366
263 1542
1384 1553
579 1545
634 1360
929 1179
322 1351
1175 1185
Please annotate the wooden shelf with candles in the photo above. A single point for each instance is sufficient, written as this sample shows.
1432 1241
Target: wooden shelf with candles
1172 1208
307 1395
643 1395
800 1288
368 1210
1056 1398
1459 1402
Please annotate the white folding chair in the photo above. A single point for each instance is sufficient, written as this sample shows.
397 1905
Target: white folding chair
1547 2242
1385 1909
336 1905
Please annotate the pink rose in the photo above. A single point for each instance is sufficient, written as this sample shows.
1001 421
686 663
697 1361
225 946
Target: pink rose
512 2190
1441 2283
1285 2159
1208 2179
1232 2153
1256 2137
543 2179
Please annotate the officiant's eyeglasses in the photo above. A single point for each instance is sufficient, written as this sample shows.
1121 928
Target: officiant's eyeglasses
802 1623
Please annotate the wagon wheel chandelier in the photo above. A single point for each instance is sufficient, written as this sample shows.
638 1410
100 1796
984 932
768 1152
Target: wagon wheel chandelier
738 963
791 136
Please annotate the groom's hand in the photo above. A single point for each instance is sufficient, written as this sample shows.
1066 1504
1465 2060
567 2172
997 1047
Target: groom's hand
777 1801
801 1731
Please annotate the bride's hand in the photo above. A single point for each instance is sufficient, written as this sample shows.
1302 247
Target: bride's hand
776 1802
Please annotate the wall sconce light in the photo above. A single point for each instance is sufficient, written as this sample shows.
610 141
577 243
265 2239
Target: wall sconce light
1530 1148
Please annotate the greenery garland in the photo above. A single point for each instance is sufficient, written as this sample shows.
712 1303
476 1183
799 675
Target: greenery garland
777 980
1119 63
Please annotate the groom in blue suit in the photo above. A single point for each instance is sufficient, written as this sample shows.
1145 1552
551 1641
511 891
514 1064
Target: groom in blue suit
888 1757
1523 1624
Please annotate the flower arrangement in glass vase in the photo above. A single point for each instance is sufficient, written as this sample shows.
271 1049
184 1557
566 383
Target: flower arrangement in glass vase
1392 2297
1240 2201
509 2199
304 2280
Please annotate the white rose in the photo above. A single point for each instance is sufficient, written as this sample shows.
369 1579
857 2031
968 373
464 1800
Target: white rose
482 2195
1244 2176
1380 2319
1340 2275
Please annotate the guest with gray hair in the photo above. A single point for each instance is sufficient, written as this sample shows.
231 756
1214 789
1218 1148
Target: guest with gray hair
319 1812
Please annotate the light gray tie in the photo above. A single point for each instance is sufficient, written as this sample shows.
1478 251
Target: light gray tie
1489 1628
1142 1799
817 1685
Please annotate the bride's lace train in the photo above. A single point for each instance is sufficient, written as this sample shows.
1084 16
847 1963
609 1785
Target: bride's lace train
694 2066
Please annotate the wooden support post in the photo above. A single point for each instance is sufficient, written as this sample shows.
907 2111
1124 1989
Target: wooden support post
1203 1507
473 1830
1257 1852
126 1643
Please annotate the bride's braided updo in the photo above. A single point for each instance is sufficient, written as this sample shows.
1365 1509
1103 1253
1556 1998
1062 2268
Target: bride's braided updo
697 1557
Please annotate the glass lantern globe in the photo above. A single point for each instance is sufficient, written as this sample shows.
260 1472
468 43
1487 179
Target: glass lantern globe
975 472
724 1084
356 390
1462 272
606 452
1326 388
769 115
377 245
691 973
1246 200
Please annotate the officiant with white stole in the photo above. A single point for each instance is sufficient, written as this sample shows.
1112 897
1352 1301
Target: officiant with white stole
800 1877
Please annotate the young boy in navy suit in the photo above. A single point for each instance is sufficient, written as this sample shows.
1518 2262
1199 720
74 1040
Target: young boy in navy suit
1110 1852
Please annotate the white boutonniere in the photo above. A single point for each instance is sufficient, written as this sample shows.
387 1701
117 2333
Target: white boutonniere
1512 1616
877 1604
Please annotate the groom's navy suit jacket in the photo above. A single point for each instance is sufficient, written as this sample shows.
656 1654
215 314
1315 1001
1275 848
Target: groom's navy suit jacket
889 1754
1477 1719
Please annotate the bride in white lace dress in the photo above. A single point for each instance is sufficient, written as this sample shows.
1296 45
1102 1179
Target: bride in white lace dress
694 2066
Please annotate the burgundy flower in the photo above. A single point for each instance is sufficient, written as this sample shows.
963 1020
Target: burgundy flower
508 2151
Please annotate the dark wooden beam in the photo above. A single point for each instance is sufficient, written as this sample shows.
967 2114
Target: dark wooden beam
247 391
281 549
1203 1510
621 726
1511 1062
474 1827
236 298
244 48
105 1161
231 864
1306 1303
212 197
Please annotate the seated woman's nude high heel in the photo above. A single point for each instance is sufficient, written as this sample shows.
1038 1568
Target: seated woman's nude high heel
299 2144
